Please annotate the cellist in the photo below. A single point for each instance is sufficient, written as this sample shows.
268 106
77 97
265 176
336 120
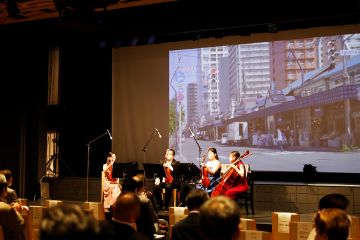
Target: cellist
240 184
171 181
212 170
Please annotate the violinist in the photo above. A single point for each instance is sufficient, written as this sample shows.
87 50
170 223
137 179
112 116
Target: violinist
240 184
170 182
211 171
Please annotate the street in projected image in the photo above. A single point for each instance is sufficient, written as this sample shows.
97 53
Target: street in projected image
290 102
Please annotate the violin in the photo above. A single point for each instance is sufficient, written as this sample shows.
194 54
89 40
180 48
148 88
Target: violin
205 181
168 176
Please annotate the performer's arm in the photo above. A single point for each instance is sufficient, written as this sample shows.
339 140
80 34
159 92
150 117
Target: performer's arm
242 170
168 165
107 166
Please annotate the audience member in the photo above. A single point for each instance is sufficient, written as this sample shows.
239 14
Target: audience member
188 228
332 224
333 200
140 190
126 211
10 219
68 222
11 197
148 219
220 219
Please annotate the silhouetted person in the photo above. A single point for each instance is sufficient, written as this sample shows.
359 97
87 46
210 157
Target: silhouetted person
188 228
333 200
147 218
220 219
126 211
68 222
11 197
10 219
332 224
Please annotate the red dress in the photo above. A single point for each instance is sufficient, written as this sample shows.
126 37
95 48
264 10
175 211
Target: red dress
240 184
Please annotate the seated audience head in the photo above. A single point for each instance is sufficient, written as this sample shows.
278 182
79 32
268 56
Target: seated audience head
139 181
127 207
68 222
8 176
332 224
334 200
129 184
220 219
196 198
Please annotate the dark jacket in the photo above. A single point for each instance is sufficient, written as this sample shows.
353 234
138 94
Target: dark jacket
187 228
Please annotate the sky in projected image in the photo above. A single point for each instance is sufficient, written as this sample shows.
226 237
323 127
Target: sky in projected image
290 103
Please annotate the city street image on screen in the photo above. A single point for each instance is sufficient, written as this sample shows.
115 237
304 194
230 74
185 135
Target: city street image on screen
290 103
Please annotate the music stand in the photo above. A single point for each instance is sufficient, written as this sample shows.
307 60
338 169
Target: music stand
153 170
187 171
123 170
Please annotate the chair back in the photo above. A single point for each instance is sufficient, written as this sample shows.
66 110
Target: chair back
255 235
175 215
300 230
53 203
247 224
250 180
354 231
96 209
102 186
281 224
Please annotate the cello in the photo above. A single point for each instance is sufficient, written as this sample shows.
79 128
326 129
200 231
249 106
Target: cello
229 177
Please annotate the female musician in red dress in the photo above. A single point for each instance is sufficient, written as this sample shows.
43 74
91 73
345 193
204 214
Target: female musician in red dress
240 184
111 186
212 169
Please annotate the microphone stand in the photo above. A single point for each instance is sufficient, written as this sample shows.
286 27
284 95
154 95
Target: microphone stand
200 150
88 163
147 143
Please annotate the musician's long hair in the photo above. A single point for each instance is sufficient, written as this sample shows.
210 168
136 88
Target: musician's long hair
109 156
235 154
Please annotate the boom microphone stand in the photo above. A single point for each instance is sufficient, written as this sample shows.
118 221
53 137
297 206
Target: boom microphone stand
193 135
144 149
88 160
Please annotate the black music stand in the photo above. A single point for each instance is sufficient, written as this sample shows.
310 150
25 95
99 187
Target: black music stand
154 170
187 171
123 170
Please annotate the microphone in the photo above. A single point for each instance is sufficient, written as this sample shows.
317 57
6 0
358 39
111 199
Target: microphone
157 131
109 134
192 134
